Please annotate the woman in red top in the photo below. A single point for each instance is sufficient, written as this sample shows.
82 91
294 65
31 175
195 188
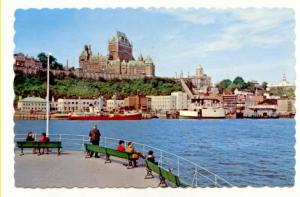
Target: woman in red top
44 138
121 147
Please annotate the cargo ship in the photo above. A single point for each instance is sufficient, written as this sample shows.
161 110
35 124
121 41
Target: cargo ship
203 109
89 116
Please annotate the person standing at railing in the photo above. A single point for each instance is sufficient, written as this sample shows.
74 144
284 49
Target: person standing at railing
30 138
94 139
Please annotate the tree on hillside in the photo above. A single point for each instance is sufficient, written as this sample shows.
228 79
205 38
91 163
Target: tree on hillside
52 61
224 84
264 85
250 86
239 82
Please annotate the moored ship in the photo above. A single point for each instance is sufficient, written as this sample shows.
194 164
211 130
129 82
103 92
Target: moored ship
92 116
203 109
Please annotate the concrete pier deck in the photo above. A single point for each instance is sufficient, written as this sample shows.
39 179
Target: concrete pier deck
72 169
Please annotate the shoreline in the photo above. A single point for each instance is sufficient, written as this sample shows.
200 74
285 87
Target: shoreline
52 117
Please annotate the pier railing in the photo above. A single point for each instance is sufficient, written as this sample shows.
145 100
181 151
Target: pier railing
189 172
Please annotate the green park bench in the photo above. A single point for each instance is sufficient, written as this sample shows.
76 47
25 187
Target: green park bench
39 145
163 175
109 152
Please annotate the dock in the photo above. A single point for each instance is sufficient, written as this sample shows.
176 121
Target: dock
72 169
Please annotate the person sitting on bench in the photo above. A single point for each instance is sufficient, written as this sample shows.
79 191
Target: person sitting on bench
44 138
121 147
150 157
30 138
135 155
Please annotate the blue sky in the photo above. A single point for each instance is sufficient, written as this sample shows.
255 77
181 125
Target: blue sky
256 44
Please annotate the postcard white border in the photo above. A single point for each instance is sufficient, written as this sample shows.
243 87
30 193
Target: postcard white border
8 8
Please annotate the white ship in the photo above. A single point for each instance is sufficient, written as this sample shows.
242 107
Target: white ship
203 109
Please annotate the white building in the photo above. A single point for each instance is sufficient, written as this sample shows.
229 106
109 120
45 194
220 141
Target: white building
176 101
114 104
80 105
31 104
181 100
283 84
162 103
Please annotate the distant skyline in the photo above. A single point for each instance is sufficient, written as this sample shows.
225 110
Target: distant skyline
256 44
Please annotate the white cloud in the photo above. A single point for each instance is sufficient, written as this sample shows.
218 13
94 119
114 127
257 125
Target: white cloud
239 27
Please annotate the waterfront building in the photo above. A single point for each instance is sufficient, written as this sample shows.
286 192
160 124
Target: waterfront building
286 106
119 60
181 100
31 104
264 109
163 103
114 104
80 105
253 100
174 102
137 102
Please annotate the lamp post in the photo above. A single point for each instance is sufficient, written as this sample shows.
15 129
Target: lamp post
47 107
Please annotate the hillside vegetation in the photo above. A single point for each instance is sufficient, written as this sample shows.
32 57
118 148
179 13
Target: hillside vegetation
70 87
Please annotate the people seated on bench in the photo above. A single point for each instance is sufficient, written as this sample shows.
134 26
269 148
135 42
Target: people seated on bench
43 138
150 157
121 147
30 138
135 155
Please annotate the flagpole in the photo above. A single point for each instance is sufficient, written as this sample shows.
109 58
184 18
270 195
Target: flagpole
47 107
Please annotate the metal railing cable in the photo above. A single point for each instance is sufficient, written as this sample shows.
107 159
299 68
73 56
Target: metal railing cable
189 172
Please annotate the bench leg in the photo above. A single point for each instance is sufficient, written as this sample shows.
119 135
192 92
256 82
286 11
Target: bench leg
107 159
162 182
58 152
149 175
130 164
39 152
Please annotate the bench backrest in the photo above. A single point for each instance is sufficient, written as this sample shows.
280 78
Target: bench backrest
169 176
30 144
94 148
163 173
117 153
152 167
109 151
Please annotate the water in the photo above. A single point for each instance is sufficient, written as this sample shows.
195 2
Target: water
245 152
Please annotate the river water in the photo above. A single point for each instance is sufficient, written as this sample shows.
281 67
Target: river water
245 152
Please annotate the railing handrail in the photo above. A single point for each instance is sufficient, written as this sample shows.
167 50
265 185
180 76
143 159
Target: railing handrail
143 145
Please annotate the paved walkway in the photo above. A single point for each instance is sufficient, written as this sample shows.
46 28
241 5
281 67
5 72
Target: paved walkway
72 169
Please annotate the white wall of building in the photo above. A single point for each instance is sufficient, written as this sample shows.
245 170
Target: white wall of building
113 104
181 100
175 101
79 105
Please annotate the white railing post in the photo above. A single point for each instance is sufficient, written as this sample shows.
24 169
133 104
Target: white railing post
143 149
59 137
178 166
196 178
160 159
82 145
105 141
216 181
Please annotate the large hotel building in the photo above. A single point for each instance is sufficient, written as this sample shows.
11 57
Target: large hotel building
118 61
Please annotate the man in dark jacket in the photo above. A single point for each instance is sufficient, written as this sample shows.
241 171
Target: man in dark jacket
94 139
